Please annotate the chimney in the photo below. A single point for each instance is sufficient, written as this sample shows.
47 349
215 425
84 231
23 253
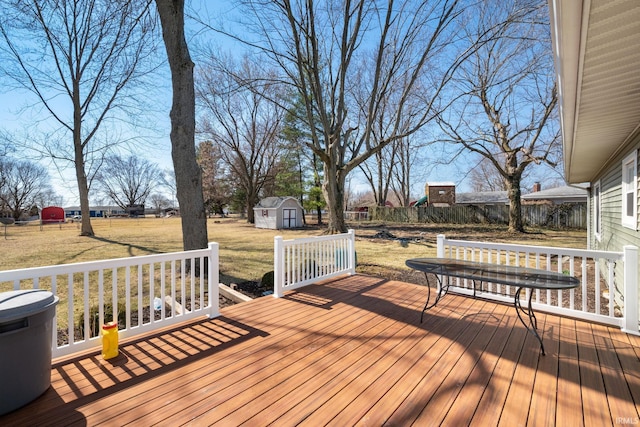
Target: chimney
536 187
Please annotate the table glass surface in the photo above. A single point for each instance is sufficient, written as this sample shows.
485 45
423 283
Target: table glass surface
495 273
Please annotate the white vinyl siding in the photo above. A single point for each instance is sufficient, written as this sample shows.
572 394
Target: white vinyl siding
630 190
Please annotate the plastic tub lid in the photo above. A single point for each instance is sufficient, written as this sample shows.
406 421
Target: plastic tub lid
21 303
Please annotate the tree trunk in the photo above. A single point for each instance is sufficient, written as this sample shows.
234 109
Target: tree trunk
516 225
251 202
86 228
183 123
333 190
79 161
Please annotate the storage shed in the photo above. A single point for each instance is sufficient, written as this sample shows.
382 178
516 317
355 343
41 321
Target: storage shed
278 212
440 193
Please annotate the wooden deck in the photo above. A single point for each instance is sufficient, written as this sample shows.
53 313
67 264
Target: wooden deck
353 351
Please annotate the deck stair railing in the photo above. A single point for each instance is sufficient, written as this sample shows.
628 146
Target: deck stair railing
300 262
144 293
608 291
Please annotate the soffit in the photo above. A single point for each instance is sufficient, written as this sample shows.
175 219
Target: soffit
598 62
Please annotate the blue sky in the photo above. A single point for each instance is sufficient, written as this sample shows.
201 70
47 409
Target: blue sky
15 119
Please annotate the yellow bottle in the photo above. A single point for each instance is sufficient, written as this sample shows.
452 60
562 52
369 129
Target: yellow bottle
110 340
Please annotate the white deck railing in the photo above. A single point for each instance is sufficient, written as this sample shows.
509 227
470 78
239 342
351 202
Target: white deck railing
300 262
601 296
183 284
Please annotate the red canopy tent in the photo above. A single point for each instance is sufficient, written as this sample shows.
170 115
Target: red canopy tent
52 215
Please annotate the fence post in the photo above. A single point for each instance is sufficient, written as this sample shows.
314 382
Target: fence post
352 252
630 290
214 279
440 247
278 266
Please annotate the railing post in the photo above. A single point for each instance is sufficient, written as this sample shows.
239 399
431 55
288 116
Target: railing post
352 252
278 266
440 247
631 290
214 279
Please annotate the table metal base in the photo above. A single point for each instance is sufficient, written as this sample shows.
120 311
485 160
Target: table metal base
531 326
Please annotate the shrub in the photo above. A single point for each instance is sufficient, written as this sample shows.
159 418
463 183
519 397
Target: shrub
94 321
267 281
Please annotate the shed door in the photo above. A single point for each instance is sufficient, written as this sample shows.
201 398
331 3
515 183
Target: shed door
288 218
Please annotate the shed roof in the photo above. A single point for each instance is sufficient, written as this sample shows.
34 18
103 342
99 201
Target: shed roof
441 184
275 202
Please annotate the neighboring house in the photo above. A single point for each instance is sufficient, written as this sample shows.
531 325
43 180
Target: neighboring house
96 211
278 212
440 193
558 195
485 198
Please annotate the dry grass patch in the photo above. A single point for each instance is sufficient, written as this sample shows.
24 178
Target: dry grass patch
246 253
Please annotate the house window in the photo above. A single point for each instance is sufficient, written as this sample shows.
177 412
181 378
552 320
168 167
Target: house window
597 211
630 190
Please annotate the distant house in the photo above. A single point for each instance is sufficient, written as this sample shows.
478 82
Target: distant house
277 213
597 61
440 193
558 195
96 211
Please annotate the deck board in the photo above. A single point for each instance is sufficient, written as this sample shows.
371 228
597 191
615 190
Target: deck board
543 400
352 351
570 406
594 398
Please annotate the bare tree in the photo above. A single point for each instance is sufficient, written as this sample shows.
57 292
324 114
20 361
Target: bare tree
215 185
505 108
403 169
22 184
360 67
159 202
244 122
485 177
378 171
391 170
183 126
78 57
128 180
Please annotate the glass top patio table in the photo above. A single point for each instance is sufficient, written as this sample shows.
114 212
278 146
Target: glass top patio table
520 277
495 273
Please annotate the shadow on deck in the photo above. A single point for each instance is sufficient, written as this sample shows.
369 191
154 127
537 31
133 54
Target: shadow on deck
351 351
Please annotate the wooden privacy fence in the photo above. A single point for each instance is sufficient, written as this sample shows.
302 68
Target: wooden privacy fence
567 215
